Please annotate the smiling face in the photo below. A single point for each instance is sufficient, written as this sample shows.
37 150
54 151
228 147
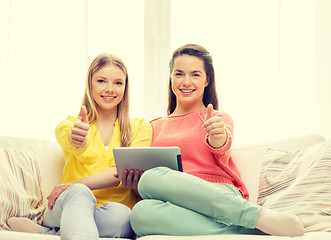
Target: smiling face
188 80
107 87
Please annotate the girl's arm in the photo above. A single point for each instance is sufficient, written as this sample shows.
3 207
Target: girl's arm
62 133
72 134
103 179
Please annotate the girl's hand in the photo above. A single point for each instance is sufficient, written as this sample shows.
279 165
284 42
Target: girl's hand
215 128
131 178
56 192
78 133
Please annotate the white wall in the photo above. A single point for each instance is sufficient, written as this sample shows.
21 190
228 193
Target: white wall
272 59
47 48
322 46
43 83
242 36
297 95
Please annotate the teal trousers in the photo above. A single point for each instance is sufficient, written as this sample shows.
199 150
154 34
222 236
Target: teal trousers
176 203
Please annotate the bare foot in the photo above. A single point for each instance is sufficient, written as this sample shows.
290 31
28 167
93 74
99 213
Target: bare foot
279 224
22 224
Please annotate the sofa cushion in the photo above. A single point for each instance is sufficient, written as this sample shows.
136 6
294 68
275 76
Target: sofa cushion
248 158
20 185
299 182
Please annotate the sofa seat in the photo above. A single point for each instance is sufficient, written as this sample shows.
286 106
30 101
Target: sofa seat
248 159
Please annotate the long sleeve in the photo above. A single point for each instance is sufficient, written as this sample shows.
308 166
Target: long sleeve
62 136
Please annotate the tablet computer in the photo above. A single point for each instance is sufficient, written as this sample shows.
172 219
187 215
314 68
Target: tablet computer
144 158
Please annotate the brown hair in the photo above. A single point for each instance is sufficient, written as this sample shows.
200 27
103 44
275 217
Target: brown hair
122 108
210 94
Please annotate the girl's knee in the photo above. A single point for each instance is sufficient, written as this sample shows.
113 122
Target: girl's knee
77 188
152 179
156 172
80 189
113 220
78 192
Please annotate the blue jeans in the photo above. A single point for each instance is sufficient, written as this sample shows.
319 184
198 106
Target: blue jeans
177 203
75 216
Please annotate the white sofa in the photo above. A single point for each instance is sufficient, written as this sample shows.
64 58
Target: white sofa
248 159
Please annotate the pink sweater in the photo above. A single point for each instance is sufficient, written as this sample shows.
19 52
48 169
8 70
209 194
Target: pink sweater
198 157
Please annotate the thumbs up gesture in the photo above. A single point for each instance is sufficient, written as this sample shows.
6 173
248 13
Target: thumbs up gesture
214 126
78 133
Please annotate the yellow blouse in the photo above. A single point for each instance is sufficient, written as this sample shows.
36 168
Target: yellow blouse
94 157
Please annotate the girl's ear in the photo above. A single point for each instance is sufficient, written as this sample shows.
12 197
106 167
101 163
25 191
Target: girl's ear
207 82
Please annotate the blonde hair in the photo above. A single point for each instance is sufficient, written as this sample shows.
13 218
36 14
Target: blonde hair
123 115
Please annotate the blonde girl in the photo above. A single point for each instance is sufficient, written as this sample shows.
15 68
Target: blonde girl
74 210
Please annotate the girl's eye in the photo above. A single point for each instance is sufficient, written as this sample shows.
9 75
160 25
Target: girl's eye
196 75
101 81
178 74
119 83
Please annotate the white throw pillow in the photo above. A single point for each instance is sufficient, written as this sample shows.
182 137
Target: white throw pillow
299 183
20 186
